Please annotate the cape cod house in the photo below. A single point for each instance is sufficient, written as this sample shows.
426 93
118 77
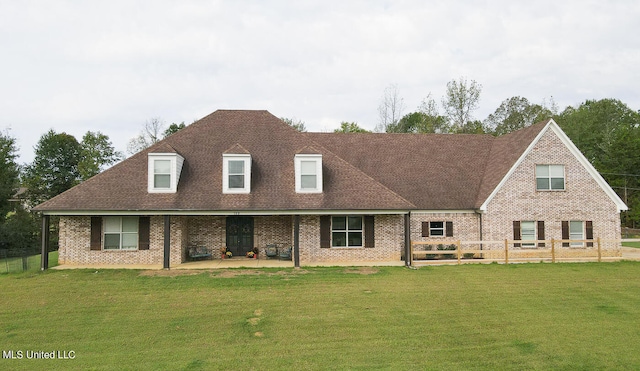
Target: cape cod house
245 179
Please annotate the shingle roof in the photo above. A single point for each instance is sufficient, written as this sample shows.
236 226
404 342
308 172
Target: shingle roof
360 171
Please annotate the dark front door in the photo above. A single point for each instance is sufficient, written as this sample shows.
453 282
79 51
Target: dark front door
239 234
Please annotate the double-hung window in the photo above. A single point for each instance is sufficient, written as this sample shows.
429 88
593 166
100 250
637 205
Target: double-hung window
164 172
550 177
308 169
236 173
346 231
576 232
436 229
528 233
120 233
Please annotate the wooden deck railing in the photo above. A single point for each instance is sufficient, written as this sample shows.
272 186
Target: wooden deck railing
488 251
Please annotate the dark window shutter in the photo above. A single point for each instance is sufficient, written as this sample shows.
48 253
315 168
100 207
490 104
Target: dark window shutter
144 228
96 233
541 233
589 232
369 233
325 231
565 233
449 229
425 229
516 233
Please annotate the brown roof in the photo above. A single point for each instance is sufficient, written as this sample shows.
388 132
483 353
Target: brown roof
360 171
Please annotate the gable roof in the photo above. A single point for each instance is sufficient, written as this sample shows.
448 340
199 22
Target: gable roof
361 171
544 127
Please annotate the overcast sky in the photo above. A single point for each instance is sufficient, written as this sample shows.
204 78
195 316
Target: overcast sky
109 66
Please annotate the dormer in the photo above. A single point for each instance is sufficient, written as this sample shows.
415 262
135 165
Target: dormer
164 170
308 169
236 170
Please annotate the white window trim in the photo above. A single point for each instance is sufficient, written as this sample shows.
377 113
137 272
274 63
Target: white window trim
564 178
443 229
582 235
298 172
120 233
176 167
524 244
246 158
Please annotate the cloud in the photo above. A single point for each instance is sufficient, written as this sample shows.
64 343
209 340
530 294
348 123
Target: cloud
110 66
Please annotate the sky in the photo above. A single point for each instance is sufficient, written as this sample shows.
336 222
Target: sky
110 66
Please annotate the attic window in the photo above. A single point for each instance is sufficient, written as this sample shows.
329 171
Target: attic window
164 172
236 173
550 177
308 173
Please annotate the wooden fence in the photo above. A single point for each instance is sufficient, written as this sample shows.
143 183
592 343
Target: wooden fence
452 251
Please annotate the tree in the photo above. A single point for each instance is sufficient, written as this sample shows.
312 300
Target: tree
515 113
460 100
97 154
54 168
173 128
350 127
607 132
295 123
9 172
19 231
390 108
151 133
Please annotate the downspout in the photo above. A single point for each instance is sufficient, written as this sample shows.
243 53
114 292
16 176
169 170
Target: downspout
407 239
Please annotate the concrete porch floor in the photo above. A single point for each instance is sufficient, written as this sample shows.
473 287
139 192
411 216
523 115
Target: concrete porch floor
231 263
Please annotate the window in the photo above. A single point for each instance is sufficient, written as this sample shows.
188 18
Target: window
120 233
528 233
436 229
576 233
550 177
346 231
164 172
308 169
236 173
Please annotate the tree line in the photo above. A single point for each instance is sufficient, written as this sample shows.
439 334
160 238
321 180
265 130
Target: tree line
607 132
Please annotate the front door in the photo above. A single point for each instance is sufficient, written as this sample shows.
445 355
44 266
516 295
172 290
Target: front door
239 234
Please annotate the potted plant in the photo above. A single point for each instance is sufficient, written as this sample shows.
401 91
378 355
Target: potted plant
251 255
225 253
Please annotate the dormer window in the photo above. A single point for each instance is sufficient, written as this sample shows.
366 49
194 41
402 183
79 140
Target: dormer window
164 172
308 173
236 173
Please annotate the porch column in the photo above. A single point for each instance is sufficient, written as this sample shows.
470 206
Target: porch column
167 240
407 239
44 258
296 241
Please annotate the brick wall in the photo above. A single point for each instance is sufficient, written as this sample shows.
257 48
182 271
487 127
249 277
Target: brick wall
582 199
389 242
75 238
466 225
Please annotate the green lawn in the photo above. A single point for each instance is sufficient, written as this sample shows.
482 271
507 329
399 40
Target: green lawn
631 244
520 316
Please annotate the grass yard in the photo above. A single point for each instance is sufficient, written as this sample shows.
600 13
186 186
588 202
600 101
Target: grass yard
631 244
520 316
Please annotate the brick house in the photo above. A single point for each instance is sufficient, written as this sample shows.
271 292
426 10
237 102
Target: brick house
245 179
